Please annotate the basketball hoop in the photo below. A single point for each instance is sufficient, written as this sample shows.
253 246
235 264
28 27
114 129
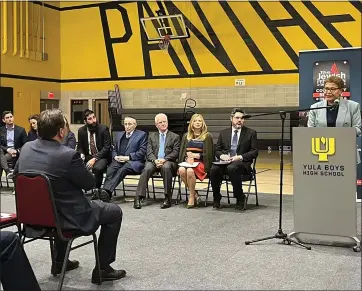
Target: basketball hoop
164 43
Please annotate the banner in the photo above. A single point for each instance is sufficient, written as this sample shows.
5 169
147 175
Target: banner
322 70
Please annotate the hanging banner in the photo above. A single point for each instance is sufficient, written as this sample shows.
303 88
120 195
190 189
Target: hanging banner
322 70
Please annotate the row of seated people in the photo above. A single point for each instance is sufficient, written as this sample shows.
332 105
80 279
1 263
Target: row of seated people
133 152
13 137
161 151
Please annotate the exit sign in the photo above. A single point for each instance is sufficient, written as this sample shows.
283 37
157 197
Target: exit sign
239 82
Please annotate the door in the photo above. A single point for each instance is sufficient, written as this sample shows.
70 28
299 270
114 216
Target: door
6 101
46 104
100 108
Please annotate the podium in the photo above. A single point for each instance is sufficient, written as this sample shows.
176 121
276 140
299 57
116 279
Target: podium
324 184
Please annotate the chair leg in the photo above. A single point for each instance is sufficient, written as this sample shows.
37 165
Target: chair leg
256 192
65 264
153 188
96 253
227 191
179 191
124 189
207 192
248 193
173 186
51 243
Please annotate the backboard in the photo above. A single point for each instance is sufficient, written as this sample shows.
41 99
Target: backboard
159 26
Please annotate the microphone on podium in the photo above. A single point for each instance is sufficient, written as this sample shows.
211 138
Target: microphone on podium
246 116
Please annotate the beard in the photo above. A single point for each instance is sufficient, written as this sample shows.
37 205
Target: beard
92 127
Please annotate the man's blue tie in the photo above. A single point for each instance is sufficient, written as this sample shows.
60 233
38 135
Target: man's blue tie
161 149
234 144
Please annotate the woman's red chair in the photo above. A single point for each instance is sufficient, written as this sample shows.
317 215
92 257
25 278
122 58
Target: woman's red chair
35 207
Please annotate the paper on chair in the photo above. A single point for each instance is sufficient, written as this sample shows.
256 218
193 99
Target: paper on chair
188 165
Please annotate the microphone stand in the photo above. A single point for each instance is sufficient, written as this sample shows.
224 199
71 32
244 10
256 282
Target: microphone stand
280 234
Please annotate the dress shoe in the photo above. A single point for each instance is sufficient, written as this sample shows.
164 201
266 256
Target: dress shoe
137 203
216 204
57 267
104 195
95 195
109 274
240 204
166 203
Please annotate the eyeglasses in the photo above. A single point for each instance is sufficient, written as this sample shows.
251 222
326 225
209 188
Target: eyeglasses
330 89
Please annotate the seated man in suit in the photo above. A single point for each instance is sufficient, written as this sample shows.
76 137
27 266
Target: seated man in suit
128 157
16 271
237 147
69 177
12 138
94 143
162 152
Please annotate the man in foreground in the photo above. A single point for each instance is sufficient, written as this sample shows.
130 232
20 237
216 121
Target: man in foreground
68 177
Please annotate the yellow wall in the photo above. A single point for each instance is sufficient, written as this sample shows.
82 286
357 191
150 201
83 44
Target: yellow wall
84 55
28 76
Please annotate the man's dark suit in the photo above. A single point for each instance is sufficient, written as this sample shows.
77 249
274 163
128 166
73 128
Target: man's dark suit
168 169
136 150
68 176
20 138
246 148
103 144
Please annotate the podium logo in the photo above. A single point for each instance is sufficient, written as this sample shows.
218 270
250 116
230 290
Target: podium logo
323 147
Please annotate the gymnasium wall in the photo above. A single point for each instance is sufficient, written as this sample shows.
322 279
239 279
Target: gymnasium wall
23 68
104 44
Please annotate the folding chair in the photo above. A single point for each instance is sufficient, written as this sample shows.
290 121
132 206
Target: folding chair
35 207
249 179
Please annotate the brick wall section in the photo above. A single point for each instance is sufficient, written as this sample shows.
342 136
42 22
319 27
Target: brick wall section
206 97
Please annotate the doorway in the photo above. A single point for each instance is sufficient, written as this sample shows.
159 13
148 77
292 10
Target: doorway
6 100
46 104
100 108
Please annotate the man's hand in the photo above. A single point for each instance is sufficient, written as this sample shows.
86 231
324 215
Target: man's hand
91 163
159 163
237 158
225 157
11 151
121 159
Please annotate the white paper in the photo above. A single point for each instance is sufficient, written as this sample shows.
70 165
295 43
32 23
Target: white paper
188 165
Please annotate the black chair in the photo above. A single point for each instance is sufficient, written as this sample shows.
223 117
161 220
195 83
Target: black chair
36 209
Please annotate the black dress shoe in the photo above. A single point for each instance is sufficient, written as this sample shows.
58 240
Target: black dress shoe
104 195
137 203
109 274
166 204
57 267
95 195
240 204
216 204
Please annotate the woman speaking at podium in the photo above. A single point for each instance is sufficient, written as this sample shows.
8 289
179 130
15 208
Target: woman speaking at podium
342 113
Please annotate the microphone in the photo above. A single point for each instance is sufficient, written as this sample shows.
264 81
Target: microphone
247 116
335 104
